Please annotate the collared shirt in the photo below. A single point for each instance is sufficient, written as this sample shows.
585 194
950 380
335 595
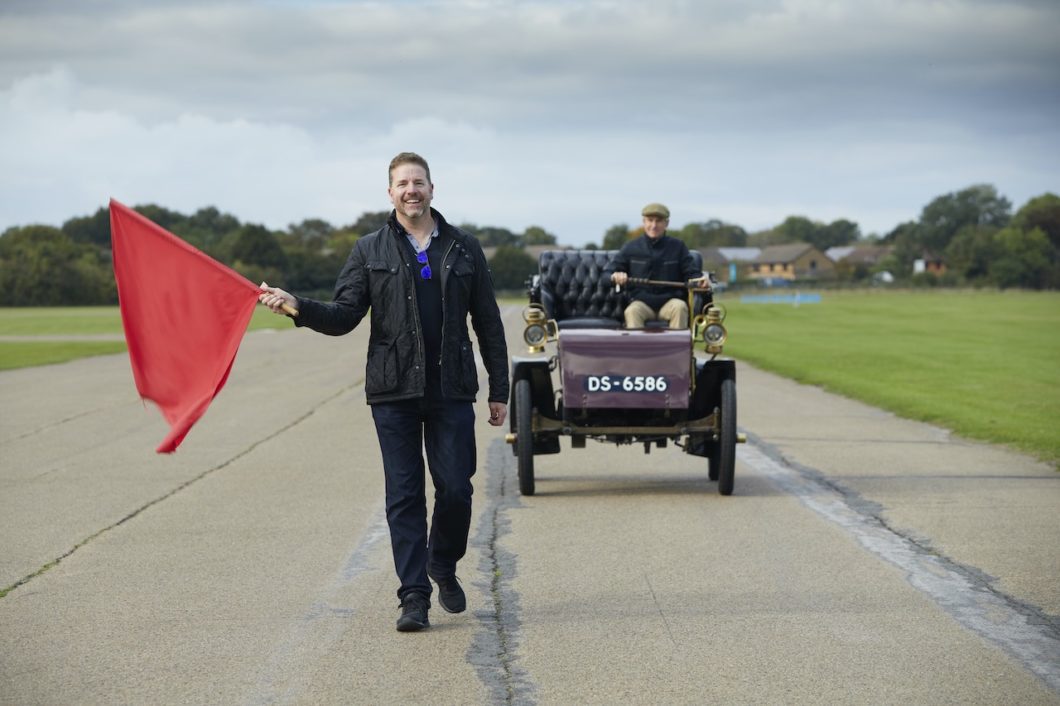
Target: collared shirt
416 244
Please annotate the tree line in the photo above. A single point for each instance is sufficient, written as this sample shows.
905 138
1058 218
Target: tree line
43 265
972 230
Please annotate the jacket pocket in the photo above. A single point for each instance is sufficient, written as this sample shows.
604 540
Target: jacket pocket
381 278
640 267
670 270
381 375
462 273
467 380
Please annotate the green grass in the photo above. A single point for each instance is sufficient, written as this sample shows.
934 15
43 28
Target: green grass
60 321
984 364
74 322
24 354
88 320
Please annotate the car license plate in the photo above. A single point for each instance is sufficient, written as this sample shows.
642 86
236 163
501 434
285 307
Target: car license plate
626 383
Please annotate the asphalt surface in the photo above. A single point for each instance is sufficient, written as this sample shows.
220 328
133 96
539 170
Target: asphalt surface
862 559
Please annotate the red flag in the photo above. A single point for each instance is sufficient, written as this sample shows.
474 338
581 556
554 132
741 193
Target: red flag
184 315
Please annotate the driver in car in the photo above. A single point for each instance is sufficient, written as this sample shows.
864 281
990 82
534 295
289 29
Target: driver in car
656 256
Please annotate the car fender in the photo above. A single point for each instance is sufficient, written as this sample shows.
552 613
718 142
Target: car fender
709 376
537 371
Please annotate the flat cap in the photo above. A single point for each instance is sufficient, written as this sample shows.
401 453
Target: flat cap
655 209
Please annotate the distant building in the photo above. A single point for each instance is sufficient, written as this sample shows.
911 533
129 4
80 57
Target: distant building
929 263
838 252
867 256
792 262
728 264
857 262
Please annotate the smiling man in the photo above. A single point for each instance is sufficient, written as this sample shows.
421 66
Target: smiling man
421 278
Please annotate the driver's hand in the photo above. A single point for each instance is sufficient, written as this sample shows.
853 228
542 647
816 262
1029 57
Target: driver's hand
620 278
703 282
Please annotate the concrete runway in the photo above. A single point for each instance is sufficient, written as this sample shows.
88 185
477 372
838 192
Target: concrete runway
862 558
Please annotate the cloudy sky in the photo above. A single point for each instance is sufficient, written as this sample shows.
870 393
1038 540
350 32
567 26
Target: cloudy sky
564 114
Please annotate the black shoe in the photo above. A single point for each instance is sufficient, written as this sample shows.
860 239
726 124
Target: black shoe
450 595
414 613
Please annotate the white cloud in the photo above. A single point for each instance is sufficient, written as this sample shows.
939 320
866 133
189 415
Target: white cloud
565 115
65 161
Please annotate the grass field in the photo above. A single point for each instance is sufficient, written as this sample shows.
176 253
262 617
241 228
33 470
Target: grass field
984 364
67 333
24 354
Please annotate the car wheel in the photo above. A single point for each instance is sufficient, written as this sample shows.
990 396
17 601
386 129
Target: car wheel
524 437
726 449
713 460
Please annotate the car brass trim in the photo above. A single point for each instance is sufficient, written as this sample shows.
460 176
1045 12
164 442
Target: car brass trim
695 426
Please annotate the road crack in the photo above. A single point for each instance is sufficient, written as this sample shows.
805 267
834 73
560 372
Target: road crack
494 651
183 486
655 599
966 593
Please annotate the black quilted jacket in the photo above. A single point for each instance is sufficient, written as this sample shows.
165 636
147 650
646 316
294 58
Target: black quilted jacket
378 278
665 259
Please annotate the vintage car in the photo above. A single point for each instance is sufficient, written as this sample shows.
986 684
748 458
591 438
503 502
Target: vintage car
617 385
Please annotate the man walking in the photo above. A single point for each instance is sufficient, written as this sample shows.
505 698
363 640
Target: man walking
421 278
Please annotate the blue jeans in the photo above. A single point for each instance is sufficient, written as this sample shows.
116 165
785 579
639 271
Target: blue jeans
447 429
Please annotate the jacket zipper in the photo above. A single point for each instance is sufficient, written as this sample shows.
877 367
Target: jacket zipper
410 285
444 279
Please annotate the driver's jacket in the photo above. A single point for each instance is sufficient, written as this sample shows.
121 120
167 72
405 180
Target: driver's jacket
665 259
377 278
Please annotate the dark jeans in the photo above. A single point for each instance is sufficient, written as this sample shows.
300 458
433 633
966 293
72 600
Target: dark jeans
447 429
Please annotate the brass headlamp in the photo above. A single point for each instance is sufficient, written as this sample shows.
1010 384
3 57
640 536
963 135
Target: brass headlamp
539 329
714 333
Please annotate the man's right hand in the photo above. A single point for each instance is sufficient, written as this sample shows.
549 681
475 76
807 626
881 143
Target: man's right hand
275 298
620 278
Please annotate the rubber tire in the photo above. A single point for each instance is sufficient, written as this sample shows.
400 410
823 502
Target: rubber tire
713 461
726 450
524 437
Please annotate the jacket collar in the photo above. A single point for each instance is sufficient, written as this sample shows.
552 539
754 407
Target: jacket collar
656 242
444 229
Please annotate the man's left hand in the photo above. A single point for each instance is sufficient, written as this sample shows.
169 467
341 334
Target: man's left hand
498 413
703 282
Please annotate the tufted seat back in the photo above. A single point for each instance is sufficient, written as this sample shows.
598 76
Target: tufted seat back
574 287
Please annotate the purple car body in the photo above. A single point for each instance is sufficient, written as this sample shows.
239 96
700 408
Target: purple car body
619 369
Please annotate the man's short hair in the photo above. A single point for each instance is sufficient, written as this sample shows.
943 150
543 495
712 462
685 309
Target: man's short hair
407 158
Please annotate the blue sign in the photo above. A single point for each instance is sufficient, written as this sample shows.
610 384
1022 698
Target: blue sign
793 299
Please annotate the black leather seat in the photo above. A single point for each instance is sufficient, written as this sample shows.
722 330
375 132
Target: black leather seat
575 288
576 291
